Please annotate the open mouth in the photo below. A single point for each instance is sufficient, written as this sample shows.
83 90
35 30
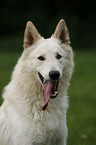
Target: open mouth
50 89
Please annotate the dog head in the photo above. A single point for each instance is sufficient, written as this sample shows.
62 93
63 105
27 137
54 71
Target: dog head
50 60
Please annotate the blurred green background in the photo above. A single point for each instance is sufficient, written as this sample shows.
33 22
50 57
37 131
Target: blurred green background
80 17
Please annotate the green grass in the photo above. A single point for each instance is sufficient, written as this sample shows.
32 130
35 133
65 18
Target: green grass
81 116
82 92
7 63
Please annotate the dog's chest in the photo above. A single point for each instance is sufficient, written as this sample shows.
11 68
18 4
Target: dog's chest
38 131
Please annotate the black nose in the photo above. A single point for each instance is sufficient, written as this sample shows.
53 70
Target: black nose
54 75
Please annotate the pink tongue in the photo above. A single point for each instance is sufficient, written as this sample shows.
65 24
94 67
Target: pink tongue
47 87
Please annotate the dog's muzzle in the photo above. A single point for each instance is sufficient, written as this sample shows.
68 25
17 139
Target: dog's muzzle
50 87
54 75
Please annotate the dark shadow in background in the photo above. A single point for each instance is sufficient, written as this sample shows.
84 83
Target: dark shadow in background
80 17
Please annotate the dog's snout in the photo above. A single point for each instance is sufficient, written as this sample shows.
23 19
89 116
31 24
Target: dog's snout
54 75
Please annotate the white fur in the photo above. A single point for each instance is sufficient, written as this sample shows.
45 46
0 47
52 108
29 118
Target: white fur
22 121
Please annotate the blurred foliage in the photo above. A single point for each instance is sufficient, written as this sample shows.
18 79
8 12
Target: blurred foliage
80 17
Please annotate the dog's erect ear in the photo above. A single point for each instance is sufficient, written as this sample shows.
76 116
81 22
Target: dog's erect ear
31 35
62 33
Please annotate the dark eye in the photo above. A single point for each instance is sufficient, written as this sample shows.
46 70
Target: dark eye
41 58
58 56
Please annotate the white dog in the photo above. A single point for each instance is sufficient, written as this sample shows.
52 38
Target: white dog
35 102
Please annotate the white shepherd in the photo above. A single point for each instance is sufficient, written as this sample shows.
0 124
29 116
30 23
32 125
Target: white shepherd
35 101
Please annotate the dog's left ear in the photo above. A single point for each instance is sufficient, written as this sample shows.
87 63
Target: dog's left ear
62 33
31 35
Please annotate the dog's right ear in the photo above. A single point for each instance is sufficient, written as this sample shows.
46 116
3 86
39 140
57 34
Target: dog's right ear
62 33
31 35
